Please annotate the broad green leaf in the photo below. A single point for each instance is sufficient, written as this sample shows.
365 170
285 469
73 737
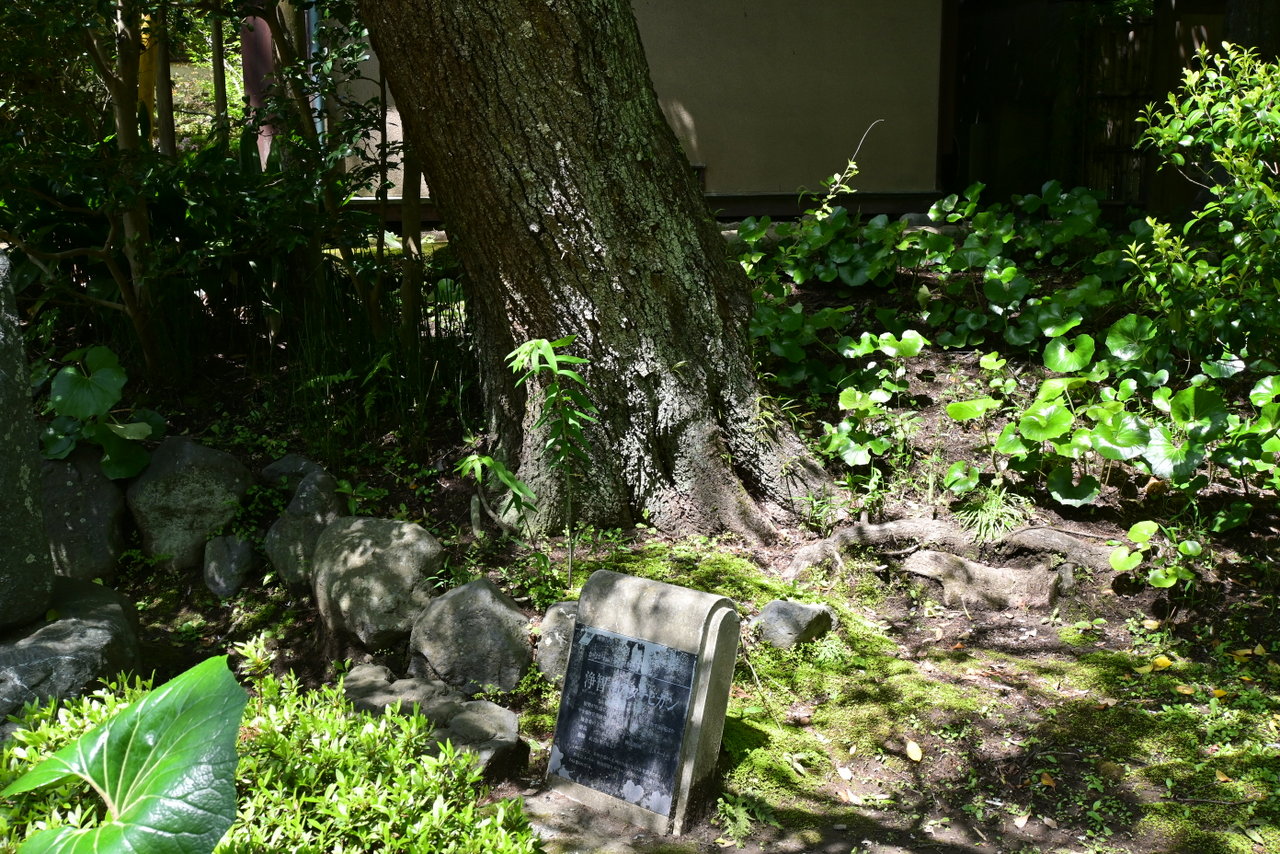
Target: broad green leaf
1009 443
1055 387
1167 576
1200 411
905 347
165 767
134 431
992 361
1265 391
1055 319
1123 560
1142 532
961 477
1066 358
1045 421
967 410
1127 338
1066 491
1170 460
1005 293
100 359
1227 366
1123 436
86 397
59 436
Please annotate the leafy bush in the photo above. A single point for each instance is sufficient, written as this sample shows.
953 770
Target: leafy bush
314 775
1215 283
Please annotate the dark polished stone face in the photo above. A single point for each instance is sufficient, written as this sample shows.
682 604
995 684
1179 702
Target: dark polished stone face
622 717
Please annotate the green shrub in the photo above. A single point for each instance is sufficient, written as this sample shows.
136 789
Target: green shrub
314 776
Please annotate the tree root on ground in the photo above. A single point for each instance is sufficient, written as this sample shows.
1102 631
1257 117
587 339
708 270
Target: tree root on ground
1037 562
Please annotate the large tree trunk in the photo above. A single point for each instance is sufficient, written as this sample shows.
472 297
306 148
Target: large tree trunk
575 213
26 570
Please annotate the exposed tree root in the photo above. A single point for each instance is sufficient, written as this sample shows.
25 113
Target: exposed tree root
1036 562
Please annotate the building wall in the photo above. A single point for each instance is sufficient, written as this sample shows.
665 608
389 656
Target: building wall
771 96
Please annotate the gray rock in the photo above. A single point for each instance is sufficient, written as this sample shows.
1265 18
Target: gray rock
227 561
552 654
290 543
480 727
784 624
94 636
289 469
373 577
490 732
372 688
84 516
186 493
473 637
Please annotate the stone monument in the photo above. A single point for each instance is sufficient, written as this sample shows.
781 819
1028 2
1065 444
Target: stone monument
644 699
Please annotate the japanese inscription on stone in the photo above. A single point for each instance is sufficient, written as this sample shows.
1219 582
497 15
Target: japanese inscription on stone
622 717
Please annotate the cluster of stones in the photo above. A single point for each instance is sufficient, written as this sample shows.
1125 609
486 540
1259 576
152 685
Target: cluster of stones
373 580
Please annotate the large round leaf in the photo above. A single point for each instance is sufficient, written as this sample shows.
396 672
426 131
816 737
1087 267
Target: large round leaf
1055 319
1068 357
1123 436
1200 411
1045 421
1169 459
1265 391
165 767
1066 491
967 410
905 347
1127 338
86 397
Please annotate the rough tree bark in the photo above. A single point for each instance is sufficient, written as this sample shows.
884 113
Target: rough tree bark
574 212
26 570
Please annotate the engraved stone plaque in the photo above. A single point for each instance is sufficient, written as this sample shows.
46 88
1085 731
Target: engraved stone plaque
622 717
644 698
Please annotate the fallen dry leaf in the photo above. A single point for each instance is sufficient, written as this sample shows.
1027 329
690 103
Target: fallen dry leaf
1046 780
1222 778
914 753
1184 689
958 646
1219 693
1146 668
844 772
1106 703
1151 625
1259 650
1048 822
1020 821
1160 662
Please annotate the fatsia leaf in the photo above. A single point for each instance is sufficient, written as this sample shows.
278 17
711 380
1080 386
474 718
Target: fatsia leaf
165 767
